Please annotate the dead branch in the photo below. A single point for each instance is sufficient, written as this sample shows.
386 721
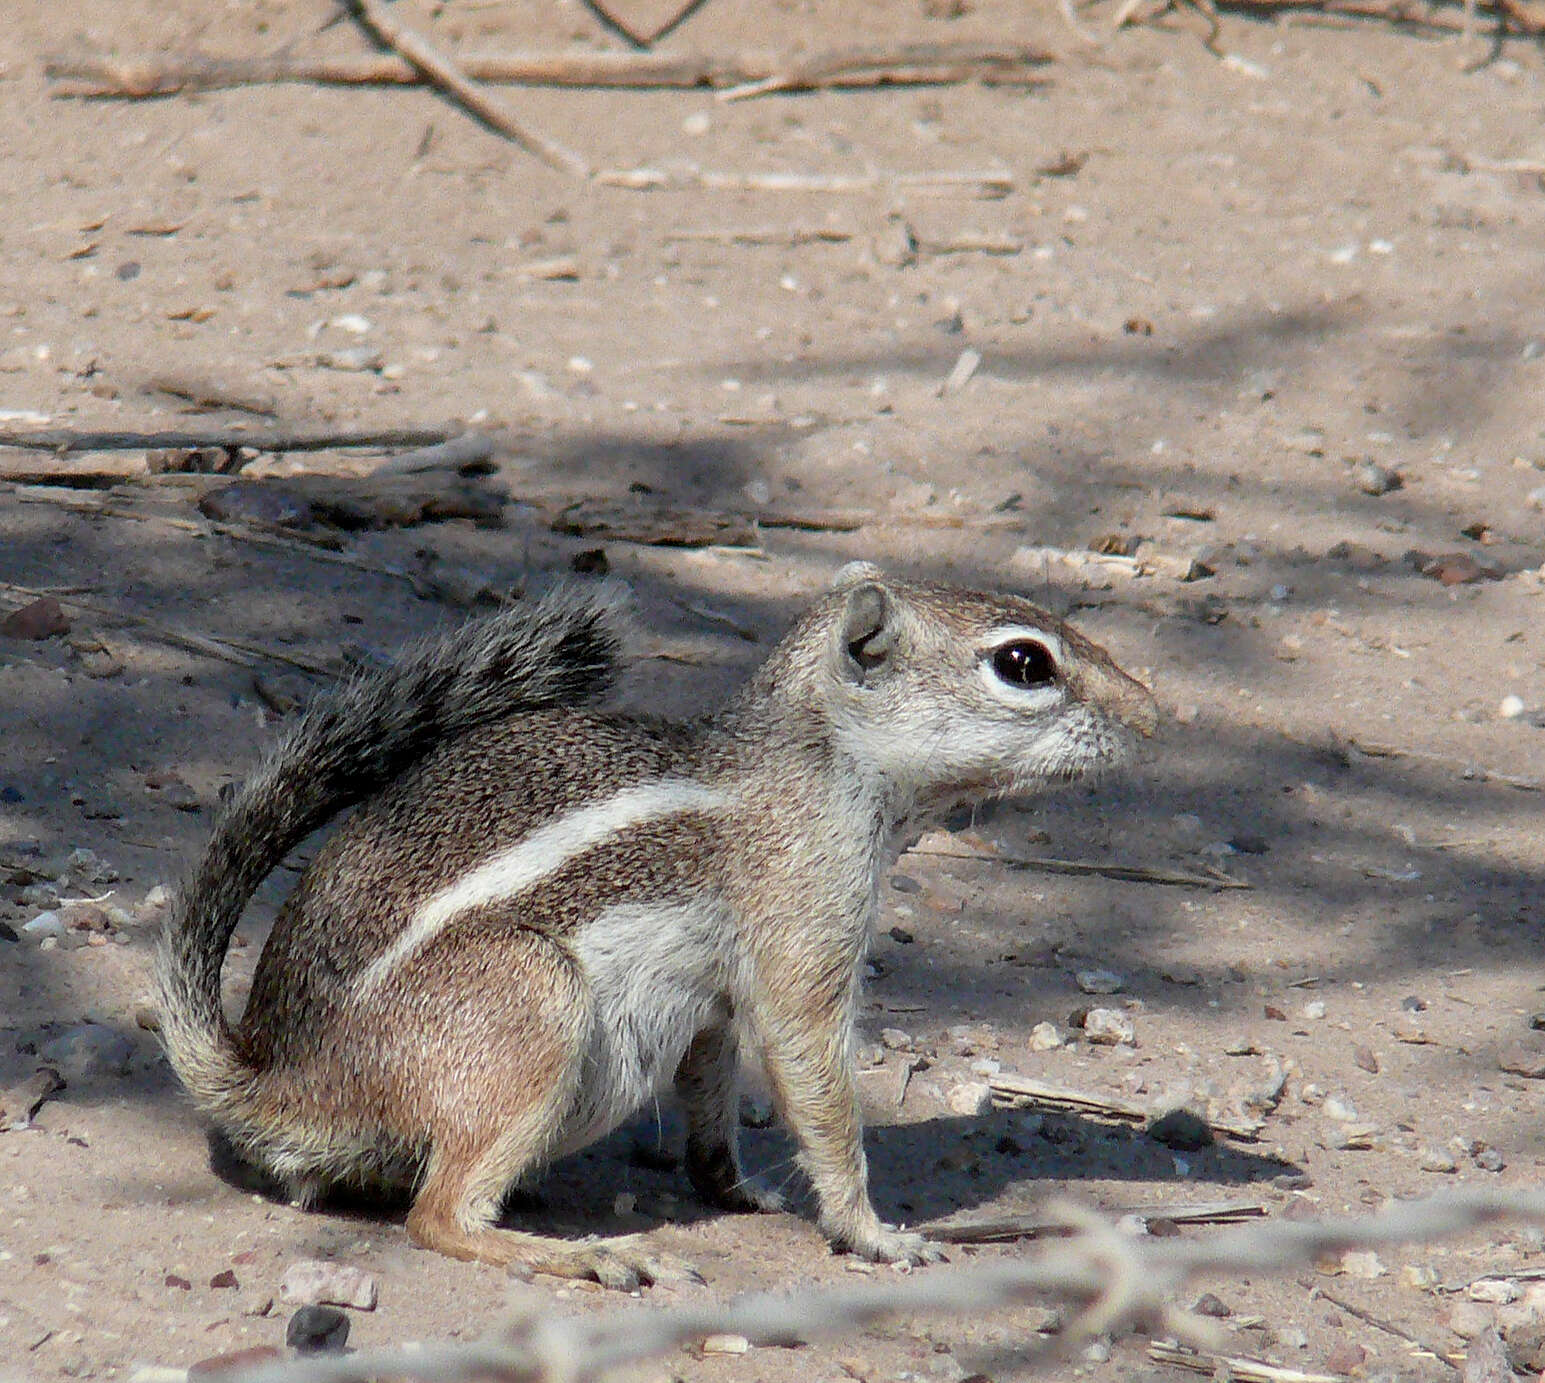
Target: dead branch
989 185
1003 1228
1119 1281
442 72
1127 873
65 440
228 650
1514 16
1237 1366
154 74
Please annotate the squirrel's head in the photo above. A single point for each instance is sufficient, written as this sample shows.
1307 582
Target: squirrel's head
956 694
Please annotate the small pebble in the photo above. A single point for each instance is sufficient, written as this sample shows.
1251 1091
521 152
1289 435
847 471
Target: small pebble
1438 1160
1489 1160
1099 981
1363 1264
1340 1109
1314 1009
317 1330
1494 1291
895 1039
1046 1037
315 1281
1209 1305
1345 1357
1512 708
1182 1130
1108 1027
1374 479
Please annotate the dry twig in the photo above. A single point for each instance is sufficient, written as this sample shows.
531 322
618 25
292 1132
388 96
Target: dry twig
1127 873
442 72
228 650
156 74
1118 1281
66 440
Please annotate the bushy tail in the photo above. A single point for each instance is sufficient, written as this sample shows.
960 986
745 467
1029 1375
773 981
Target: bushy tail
562 651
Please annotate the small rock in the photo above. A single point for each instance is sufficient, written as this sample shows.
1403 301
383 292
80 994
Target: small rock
1438 1160
901 936
352 359
1353 1138
1362 1264
1456 568
1410 1029
1422 1276
256 501
1046 1037
1366 1058
223 1281
21 1102
88 1051
1109 1027
1275 1014
1240 1046
1345 1356
1314 1009
725 1344
41 619
1414 1003
234 1362
904 883
317 1330
1512 708
314 1282
895 1039
1340 1109
1209 1305
896 245
1099 981
1182 1130
1494 1291
87 867
1374 479
970 1098
1489 1160
48 923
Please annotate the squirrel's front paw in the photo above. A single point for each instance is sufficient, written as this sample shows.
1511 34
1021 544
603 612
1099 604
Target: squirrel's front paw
887 1245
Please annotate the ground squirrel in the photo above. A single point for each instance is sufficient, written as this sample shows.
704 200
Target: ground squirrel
541 913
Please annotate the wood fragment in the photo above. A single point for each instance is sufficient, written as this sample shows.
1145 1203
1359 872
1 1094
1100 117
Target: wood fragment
1126 873
1234 1366
1015 1090
787 236
467 454
238 651
65 440
443 73
1463 766
918 64
1389 1327
141 76
1035 1224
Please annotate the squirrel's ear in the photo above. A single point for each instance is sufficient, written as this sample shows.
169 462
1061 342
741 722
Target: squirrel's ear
865 638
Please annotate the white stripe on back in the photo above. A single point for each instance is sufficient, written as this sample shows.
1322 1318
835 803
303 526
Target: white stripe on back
546 850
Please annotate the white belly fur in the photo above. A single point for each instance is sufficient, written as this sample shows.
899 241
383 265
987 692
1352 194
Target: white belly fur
658 974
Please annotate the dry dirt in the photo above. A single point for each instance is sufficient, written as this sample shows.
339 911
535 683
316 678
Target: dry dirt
1324 249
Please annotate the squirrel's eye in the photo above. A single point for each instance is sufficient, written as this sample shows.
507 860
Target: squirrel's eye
1024 663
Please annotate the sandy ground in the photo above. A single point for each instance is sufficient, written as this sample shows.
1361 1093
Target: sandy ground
1238 280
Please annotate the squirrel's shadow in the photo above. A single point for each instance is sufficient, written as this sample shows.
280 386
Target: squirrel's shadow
633 1179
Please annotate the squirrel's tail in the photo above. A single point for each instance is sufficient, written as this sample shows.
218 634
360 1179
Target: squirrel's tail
563 651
